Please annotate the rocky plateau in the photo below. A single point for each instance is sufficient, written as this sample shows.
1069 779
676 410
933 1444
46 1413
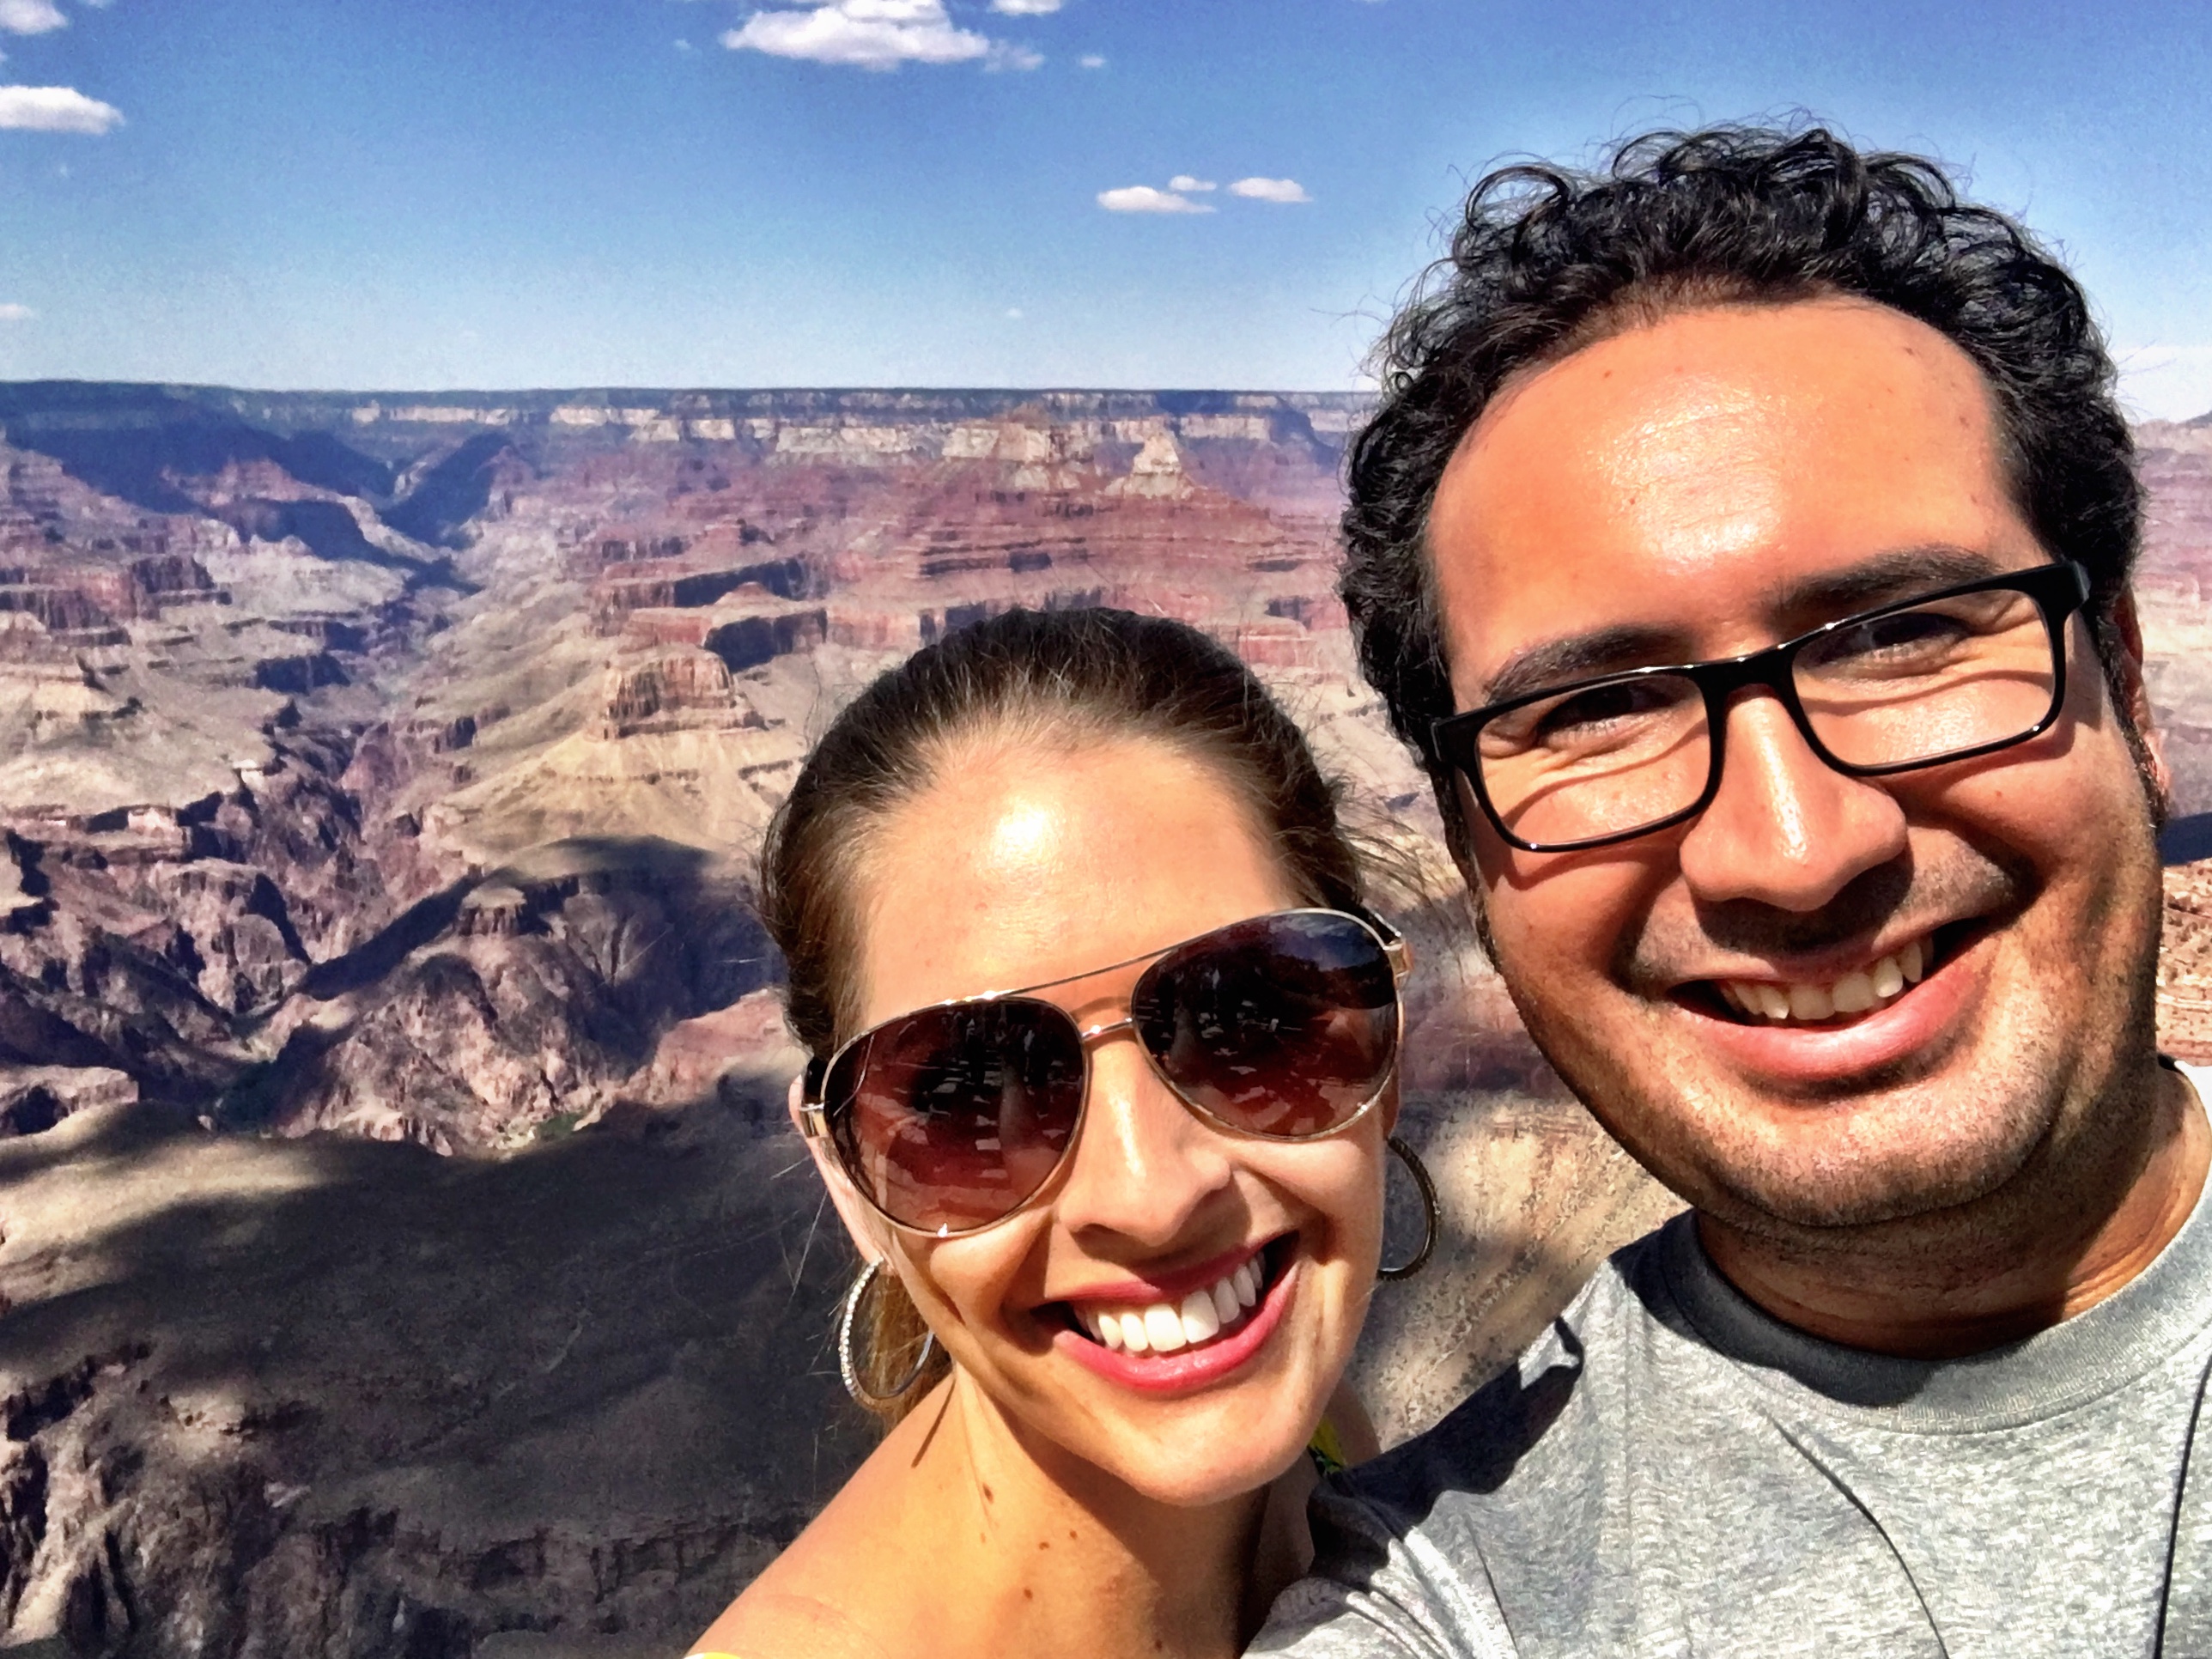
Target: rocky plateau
402 1250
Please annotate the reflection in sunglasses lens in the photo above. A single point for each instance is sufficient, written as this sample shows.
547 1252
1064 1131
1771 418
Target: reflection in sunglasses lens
954 1115
1284 1025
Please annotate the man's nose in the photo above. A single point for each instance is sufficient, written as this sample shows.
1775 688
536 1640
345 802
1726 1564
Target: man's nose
1786 829
1146 1165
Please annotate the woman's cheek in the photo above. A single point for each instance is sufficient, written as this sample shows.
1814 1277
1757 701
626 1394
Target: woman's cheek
971 1283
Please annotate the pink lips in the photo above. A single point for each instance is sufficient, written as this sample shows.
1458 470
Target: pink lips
1170 1287
1810 1056
1190 1369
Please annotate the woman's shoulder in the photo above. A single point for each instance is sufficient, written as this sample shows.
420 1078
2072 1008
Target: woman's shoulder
821 1595
836 1590
768 1623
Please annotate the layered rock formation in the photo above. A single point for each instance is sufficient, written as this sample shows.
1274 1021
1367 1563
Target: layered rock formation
2173 588
385 770
284 679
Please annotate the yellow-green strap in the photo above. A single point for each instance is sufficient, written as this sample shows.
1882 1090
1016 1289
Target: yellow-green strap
1326 1448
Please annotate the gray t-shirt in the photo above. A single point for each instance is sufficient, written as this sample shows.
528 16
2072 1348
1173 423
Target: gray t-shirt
1669 1470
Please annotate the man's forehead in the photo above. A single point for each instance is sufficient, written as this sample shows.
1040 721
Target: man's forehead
1720 472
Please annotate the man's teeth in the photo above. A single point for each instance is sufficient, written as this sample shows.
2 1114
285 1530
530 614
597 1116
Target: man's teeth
1164 1327
1862 989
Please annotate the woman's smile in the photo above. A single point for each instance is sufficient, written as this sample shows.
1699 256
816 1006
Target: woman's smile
1186 1330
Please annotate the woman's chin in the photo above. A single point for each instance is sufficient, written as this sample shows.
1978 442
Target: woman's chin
1204 1488
1216 1459
1192 1442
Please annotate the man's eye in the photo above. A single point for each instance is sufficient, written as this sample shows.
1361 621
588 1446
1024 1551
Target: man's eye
1588 714
1904 639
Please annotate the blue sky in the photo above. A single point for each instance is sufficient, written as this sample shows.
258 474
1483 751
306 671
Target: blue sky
432 194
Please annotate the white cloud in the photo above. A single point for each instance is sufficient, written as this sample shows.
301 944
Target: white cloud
871 34
686 48
31 16
1025 8
12 312
1270 190
1143 198
55 109
1091 60
1184 181
1004 55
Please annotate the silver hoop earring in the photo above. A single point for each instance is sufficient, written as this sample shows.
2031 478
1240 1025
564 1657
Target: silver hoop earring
1431 1217
846 1317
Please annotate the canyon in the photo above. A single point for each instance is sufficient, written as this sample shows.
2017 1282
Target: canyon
404 1249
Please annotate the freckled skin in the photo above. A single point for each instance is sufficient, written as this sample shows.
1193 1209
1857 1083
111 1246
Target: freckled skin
1028 864
2029 1156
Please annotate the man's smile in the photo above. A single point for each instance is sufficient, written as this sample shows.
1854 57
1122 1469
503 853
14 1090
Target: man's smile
1803 1002
1901 1007
1817 999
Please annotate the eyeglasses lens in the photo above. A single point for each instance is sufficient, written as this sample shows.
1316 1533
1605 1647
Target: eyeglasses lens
1597 761
1901 687
1950 675
954 1115
1284 1025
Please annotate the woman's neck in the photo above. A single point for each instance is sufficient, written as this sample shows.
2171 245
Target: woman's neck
1040 1552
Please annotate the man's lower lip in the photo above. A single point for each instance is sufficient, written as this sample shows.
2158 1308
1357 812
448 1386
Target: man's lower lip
1805 1055
1190 1369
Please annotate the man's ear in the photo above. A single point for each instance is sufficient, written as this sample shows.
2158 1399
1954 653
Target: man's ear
866 1227
2134 696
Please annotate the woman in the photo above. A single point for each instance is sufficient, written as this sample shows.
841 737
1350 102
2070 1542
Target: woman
1121 1224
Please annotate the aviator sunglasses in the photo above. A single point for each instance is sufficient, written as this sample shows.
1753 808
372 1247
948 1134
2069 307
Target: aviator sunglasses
952 1117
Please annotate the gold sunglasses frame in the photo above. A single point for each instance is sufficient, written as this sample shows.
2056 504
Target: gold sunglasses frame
814 1116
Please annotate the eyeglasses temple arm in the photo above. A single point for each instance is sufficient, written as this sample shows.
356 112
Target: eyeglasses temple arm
813 1119
1395 949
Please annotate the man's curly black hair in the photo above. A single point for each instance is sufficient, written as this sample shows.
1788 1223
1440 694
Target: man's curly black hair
1547 261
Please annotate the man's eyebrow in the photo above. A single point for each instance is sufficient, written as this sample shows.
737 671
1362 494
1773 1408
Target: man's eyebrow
1581 656
1898 574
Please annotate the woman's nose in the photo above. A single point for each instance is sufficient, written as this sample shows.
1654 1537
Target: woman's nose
1145 1166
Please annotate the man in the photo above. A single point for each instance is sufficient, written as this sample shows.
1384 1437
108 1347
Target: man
1744 539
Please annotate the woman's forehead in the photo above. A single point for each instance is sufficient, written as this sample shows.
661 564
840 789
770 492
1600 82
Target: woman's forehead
1028 863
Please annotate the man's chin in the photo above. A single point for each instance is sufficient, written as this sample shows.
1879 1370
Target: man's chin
1925 1131
1792 1197
1928 1138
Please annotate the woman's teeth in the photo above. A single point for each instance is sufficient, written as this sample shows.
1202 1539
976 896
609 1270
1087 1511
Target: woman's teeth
1164 1327
1872 986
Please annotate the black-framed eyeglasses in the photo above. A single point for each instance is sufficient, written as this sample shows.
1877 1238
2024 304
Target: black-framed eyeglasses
1942 677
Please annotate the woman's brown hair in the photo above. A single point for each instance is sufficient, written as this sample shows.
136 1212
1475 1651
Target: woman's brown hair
1056 677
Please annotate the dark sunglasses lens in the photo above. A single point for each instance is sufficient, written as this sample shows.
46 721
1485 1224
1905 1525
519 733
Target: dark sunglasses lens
952 1116
1284 1025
